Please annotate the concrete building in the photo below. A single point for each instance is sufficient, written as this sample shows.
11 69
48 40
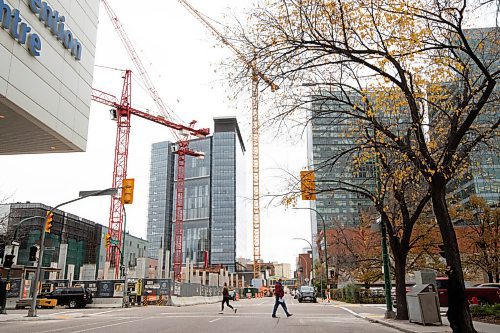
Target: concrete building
47 51
214 208
134 249
283 270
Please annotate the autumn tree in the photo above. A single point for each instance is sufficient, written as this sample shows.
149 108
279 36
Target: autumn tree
478 233
423 64
356 252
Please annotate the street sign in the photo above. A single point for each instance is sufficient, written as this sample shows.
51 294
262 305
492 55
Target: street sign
50 248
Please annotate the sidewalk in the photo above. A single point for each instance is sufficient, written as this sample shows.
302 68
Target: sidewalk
22 316
375 314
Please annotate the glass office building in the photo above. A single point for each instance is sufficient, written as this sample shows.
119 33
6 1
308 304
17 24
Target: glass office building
482 178
213 220
327 139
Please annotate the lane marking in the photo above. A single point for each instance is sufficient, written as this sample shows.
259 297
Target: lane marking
72 326
111 325
213 321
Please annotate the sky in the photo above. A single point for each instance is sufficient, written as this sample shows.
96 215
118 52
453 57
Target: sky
184 62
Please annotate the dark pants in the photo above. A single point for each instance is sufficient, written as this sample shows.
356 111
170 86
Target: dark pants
226 300
277 303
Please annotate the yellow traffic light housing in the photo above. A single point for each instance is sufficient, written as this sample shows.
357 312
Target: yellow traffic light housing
48 222
107 240
307 186
128 191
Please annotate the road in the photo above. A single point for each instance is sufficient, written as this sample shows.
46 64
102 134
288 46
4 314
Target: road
252 316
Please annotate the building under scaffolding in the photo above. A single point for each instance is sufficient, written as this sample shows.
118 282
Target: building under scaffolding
73 240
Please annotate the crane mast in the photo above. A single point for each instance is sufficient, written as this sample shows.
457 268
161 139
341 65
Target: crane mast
256 76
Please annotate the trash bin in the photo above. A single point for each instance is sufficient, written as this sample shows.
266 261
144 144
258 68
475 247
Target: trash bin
423 305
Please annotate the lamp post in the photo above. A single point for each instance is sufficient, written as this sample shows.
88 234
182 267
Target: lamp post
123 261
82 195
312 254
324 240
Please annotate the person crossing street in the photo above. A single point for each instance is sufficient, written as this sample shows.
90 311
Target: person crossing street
225 299
279 293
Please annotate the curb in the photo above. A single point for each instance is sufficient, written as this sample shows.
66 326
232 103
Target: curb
383 322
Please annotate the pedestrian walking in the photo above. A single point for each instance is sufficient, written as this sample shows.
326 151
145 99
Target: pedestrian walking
3 294
225 299
279 293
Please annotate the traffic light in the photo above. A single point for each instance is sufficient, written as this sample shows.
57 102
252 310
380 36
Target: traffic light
33 253
128 191
48 222
8 261
307 186
107 239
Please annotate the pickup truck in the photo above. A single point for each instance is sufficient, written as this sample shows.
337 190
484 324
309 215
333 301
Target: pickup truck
484 295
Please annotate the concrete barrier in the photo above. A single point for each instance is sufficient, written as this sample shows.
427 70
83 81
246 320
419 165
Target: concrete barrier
106 303
194 300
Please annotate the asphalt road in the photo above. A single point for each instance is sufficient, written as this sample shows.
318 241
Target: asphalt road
252 316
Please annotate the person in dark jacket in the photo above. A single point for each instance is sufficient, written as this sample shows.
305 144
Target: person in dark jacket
279 293
225 299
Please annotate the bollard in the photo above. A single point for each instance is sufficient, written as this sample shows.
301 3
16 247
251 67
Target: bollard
145 301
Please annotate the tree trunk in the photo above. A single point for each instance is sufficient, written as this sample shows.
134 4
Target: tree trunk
490 277
458 308
400 272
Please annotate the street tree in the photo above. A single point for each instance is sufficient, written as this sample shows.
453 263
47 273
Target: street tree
413 59
479 237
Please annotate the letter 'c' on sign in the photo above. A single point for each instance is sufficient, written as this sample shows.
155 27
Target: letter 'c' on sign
35 6
34 44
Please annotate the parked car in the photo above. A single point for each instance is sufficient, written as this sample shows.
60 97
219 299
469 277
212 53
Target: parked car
483 295
306 293
489 285
76 297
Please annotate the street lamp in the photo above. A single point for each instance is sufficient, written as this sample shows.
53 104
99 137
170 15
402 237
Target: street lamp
82 195
324 240
312 254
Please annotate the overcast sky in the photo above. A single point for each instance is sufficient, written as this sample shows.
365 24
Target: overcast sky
183 59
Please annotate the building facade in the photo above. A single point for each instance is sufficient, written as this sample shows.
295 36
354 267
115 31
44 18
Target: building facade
213 222
482 177
328 139
73 240
47 51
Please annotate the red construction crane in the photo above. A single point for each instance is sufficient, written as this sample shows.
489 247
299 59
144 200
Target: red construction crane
123 111
122 137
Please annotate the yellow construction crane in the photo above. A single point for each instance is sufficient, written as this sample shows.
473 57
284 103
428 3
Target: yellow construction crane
256 76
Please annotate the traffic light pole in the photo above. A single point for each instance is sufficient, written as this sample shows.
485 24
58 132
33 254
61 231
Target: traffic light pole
32 310
7 279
